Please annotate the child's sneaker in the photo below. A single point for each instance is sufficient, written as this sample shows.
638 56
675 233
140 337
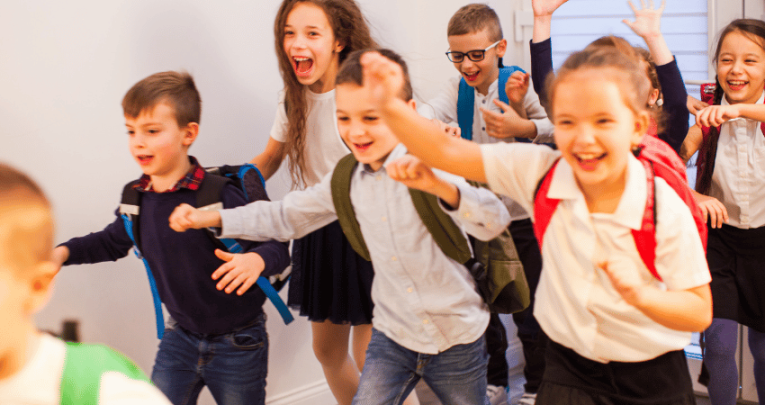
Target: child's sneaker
528 399
497 395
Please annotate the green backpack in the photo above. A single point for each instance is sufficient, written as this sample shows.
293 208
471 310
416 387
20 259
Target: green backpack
83 367
496 267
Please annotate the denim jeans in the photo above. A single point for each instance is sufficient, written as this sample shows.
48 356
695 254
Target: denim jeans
456 376
233 366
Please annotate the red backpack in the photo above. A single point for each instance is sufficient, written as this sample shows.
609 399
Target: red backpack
659 159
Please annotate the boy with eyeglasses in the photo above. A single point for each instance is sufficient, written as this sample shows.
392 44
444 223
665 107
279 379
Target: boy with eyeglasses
476 48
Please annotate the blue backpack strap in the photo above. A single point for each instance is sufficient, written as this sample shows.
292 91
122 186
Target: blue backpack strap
130 208
208 197
465 109
504 75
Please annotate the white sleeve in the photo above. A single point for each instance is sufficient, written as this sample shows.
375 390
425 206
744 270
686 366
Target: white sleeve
514 169
444 105
537 114
480 213
680 258
298 214
279 128
118 389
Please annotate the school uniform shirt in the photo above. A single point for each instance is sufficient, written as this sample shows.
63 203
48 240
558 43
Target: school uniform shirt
326 146
39 382
424 301
738 180
577 306
444 108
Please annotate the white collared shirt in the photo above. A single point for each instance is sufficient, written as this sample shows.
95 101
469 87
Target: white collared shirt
424 301
738 180
576 304
444 108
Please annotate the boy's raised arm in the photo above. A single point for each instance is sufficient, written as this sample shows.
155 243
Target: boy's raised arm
422 137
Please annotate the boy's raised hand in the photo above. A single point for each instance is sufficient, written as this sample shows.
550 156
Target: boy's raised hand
647 22
241 271
186 217
545 7
411 172
383 78
516 88
716 115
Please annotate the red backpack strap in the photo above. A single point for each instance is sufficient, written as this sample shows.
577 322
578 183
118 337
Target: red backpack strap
645 237
544 207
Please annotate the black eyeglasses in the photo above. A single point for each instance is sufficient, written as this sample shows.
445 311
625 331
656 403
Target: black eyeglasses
475 55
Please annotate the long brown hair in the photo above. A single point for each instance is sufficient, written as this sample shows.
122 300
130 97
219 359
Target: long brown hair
755 30
350 28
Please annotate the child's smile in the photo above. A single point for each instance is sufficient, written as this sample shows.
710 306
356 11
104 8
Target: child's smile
741 68
303 66
589 161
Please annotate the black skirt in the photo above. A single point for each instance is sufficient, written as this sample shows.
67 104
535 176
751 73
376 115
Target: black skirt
736 260
571 379
330 281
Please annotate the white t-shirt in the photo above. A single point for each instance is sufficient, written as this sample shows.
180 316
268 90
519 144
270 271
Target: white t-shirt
738 180
323 145
39 382
576 304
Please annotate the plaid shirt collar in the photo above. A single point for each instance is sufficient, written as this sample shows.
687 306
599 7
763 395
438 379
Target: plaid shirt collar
191 181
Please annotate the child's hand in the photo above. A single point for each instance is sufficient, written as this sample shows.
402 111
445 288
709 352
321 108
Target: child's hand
411 172
516 88
647 22
544 8
506 124
59 256
716 115
713 210
240 270
695 105
186 217
383 78
625 279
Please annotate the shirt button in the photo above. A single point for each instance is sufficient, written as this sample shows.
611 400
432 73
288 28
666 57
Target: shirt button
378 177
483 128
483 101
383 219
409 290
466 215
393 258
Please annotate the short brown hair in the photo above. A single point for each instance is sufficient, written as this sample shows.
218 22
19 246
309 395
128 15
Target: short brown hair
26 224
352 72
175 88
474 18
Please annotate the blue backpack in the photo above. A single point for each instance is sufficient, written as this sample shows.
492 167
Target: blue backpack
466 102
249 179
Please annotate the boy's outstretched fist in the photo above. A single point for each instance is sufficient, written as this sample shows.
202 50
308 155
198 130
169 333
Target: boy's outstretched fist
411 172
383 78
186 217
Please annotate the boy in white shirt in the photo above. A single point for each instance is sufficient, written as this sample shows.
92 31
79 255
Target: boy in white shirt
36 368
428 319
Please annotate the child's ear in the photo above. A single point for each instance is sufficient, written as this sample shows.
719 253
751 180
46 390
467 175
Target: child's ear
653 97
412 104
190 132
502 48
41 286
339 46
642 121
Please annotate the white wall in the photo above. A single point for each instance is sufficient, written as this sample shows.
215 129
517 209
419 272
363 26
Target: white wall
64 67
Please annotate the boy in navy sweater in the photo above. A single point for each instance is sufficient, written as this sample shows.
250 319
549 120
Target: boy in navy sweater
218 318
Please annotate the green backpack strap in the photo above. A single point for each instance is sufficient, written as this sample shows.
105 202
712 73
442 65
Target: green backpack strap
83 367
445 232
341 198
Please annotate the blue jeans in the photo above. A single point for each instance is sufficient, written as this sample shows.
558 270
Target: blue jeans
233 366
456 376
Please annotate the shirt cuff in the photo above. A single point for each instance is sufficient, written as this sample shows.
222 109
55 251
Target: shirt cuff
231 222
545 130
470 208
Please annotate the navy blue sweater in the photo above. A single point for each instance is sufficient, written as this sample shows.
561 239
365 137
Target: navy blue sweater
673 90
182 263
